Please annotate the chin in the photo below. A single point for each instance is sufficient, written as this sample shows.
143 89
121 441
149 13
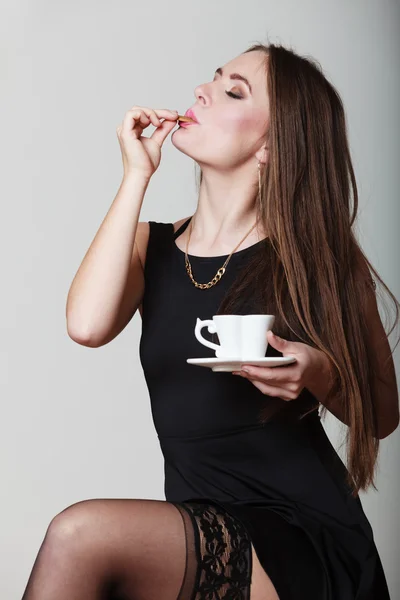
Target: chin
177 139
182 143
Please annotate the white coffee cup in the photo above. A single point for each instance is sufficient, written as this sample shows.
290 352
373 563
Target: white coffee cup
241 336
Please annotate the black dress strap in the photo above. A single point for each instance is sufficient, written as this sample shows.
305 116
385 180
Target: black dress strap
182 228
158 242
158 235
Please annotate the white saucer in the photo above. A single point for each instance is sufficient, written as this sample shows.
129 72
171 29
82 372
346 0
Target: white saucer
234 364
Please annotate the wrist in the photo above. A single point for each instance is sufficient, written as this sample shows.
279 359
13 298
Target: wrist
136 178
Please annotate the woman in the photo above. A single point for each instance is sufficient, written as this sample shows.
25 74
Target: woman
259 505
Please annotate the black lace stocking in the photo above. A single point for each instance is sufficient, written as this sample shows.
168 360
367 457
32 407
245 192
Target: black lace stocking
223 554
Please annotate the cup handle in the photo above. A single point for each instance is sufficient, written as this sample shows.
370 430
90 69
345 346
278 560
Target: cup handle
211 329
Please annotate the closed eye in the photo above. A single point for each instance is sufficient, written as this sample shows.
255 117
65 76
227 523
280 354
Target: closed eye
234 95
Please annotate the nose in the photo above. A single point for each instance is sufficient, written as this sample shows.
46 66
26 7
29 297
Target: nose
201 92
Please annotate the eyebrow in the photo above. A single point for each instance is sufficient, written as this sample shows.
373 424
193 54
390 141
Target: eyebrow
236 76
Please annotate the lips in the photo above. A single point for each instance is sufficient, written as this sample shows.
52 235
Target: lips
190 113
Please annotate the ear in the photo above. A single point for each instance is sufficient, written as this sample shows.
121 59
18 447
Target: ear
262 154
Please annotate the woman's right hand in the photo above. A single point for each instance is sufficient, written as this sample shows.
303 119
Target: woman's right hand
143 154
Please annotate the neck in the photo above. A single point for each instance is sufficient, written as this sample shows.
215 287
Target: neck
226 209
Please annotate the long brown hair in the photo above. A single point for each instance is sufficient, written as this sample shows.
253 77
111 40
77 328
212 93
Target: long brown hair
312 272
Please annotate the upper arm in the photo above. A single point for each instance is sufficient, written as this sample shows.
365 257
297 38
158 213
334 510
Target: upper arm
134 288
141 243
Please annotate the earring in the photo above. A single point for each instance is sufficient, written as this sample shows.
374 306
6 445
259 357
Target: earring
259 181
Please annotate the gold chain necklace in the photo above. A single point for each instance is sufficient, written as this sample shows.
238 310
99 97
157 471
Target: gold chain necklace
220 271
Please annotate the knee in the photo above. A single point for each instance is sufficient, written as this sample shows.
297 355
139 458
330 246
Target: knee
70 525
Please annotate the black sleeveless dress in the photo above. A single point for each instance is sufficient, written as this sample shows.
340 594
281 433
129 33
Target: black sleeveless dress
280 486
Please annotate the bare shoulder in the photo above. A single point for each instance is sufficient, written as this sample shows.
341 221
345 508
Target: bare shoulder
142 237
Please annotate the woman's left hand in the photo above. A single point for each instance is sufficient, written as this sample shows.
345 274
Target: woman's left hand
286 382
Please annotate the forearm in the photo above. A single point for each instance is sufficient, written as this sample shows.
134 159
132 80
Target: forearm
384 391
97 288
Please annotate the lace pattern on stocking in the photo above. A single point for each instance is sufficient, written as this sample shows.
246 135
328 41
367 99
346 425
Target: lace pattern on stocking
220 546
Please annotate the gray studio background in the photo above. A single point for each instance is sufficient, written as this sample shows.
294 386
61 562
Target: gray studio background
75 421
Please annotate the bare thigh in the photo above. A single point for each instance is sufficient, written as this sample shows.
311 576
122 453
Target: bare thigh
261 587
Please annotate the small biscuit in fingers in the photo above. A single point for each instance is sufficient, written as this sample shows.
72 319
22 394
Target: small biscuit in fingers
185 119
